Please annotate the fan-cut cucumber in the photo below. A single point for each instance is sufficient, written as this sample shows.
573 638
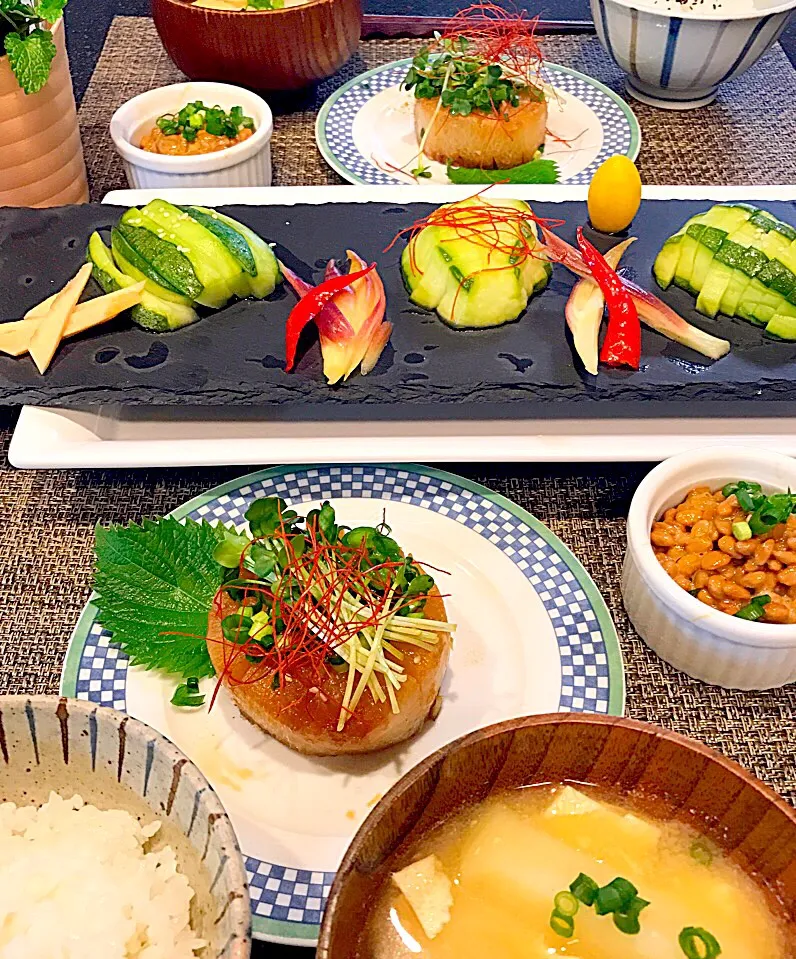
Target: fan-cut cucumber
475 284
130 262
234 241
158 258
153 313
219 273
268 273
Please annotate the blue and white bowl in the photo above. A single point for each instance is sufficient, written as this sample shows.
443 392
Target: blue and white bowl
51 743
676 54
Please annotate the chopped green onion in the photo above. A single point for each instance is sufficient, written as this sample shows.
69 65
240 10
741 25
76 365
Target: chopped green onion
585 889
698 943
197 116
741 531
629 925
701 851
731 488
746 501
770 511
187 694
236 628
615 897
754 609
562 925
626 920
566 904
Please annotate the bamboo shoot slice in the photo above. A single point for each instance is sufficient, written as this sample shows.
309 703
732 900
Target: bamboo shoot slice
15 337
50 330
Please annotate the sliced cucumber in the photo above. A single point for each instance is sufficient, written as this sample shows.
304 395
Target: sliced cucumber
758 304
714 287
727 217
777 277
782 326
268 273
159 316
745 260
153 313
785 229
156 258
689 246
763 220
218 272
484 299
710 241
128 262
426 289
234 241
666 261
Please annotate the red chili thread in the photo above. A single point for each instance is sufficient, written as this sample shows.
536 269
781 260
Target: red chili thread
313 627
503 230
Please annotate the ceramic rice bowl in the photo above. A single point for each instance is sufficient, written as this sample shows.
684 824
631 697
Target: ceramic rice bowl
113 761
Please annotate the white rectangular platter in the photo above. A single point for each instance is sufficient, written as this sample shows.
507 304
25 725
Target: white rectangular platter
116 436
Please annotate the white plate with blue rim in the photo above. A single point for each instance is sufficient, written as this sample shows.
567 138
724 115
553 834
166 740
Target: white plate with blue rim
365 130
533 636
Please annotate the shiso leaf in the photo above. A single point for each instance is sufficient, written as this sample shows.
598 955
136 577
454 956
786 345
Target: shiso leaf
535 171
155 579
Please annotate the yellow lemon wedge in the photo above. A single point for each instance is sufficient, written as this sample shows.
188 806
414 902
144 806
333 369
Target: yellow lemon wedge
614 194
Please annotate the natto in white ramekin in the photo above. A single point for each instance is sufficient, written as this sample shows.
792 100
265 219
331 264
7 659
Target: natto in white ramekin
705 643
246 164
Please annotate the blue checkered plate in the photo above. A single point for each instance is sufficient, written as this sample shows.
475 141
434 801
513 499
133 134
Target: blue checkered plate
365 130
533 635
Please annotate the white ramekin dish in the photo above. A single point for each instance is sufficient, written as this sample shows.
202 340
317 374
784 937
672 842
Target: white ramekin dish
677 54
703 642
245 164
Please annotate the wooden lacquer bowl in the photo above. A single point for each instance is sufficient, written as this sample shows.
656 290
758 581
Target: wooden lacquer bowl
667 773
286 49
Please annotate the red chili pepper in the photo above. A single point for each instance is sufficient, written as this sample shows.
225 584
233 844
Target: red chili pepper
310 305
622 345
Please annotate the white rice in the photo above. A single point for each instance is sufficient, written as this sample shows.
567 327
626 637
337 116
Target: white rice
77 882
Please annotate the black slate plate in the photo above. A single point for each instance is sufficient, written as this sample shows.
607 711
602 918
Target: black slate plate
234 357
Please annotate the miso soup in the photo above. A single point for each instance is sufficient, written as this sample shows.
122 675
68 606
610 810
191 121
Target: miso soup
556 871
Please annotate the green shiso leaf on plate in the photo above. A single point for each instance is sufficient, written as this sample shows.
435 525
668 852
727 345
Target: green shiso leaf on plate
535 171
154 586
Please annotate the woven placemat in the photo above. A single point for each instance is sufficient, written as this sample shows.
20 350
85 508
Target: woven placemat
745 137
46 540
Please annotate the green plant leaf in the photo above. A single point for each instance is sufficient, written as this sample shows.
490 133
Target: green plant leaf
16 7
30 58
536 171
156 580
49 10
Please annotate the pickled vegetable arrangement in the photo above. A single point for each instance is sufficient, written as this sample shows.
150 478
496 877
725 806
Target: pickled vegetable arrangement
737 260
